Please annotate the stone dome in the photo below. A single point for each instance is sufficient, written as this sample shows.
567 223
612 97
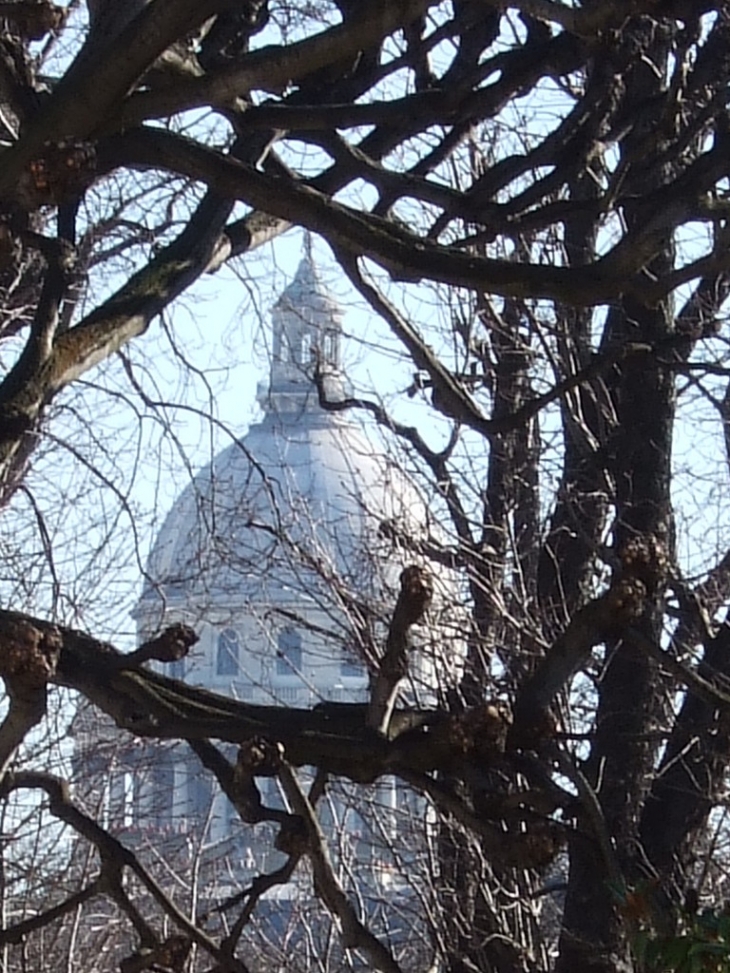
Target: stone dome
302 498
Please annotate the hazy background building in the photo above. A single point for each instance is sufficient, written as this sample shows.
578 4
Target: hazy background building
284 554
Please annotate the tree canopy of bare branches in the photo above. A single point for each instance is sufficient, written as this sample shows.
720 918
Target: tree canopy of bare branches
555 176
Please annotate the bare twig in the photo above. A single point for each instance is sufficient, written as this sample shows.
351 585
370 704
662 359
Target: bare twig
355 935
594 813
115 858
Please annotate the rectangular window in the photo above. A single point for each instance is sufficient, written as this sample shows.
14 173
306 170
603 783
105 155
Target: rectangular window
352 669
289 652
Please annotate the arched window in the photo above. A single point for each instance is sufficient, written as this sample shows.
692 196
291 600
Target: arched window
308 351
289 655
163 790
330 348
226 661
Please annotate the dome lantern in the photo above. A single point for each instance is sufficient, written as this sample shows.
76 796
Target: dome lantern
306 334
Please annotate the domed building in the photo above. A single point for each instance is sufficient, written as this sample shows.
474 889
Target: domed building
284 554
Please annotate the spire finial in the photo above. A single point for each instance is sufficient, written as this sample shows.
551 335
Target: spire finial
308 247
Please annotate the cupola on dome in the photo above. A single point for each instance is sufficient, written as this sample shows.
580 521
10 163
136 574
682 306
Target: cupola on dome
304 482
